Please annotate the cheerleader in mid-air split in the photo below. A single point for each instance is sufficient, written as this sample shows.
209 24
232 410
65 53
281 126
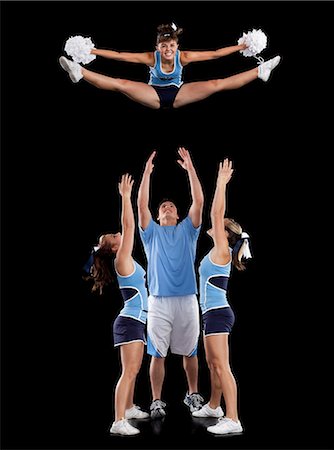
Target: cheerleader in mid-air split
166 88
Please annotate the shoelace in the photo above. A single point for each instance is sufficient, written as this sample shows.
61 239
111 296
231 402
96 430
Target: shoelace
196 399
260 60
222 419
158 404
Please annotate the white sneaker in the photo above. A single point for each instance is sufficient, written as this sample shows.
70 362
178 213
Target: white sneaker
264 69
123 427
136 413
207 411
72 68
226 426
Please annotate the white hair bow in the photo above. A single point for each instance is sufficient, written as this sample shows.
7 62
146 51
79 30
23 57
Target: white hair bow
245 250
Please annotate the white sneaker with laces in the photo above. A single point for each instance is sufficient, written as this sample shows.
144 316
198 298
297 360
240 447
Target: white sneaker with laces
264 69
136 413
72 68
124 428
207 411
226 426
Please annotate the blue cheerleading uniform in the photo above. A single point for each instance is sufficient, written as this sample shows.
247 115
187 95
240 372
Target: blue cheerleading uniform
130 324
218 316
134 293
213 284
167 85
160 78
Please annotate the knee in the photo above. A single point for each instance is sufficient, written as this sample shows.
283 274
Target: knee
214 85
121 84
130 372
215 366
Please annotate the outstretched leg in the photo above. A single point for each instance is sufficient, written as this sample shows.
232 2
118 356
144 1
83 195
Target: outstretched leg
199 90
139 92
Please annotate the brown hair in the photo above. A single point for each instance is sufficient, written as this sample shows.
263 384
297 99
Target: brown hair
234 237
167 33
101 271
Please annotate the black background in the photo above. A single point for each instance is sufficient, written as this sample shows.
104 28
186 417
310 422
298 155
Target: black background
64 147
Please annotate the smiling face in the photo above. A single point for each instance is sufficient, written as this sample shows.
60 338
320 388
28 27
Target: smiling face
168 213
110 241
167 49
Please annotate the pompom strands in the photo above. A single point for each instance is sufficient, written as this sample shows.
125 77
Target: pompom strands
256 41
79 47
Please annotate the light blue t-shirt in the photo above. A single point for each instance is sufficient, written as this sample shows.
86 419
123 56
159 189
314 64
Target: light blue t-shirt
213 282
134 293
170 252
160 78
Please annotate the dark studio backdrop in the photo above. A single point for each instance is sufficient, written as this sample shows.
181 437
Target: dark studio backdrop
64 147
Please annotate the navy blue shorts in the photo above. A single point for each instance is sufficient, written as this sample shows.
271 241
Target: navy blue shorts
127 330
166 95
216 321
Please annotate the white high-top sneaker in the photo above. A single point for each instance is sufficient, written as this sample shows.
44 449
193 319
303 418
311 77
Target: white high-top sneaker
264 69
72 68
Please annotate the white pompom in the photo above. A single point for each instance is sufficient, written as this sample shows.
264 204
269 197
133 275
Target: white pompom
79 47
255 40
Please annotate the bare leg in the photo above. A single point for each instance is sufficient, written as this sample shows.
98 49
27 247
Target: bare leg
157 376
199 90
217 354
139 92
190 365
131 357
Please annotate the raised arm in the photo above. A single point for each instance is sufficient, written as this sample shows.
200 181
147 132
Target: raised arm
196 208
188 57
144 213
141 58
123 261
220 253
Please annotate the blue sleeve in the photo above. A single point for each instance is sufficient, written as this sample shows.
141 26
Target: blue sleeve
146 235
194 232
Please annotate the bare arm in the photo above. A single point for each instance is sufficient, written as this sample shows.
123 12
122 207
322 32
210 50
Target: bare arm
220 253
124 261
196 208
188 57
141 58
144 213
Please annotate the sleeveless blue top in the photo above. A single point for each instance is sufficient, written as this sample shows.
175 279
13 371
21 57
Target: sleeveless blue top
134 293
160 78
213 281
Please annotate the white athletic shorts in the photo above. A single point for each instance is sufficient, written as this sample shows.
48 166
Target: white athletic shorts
173 322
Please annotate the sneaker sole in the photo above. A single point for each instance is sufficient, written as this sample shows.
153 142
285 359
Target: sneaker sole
66 67
232 433
123 435
63 63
